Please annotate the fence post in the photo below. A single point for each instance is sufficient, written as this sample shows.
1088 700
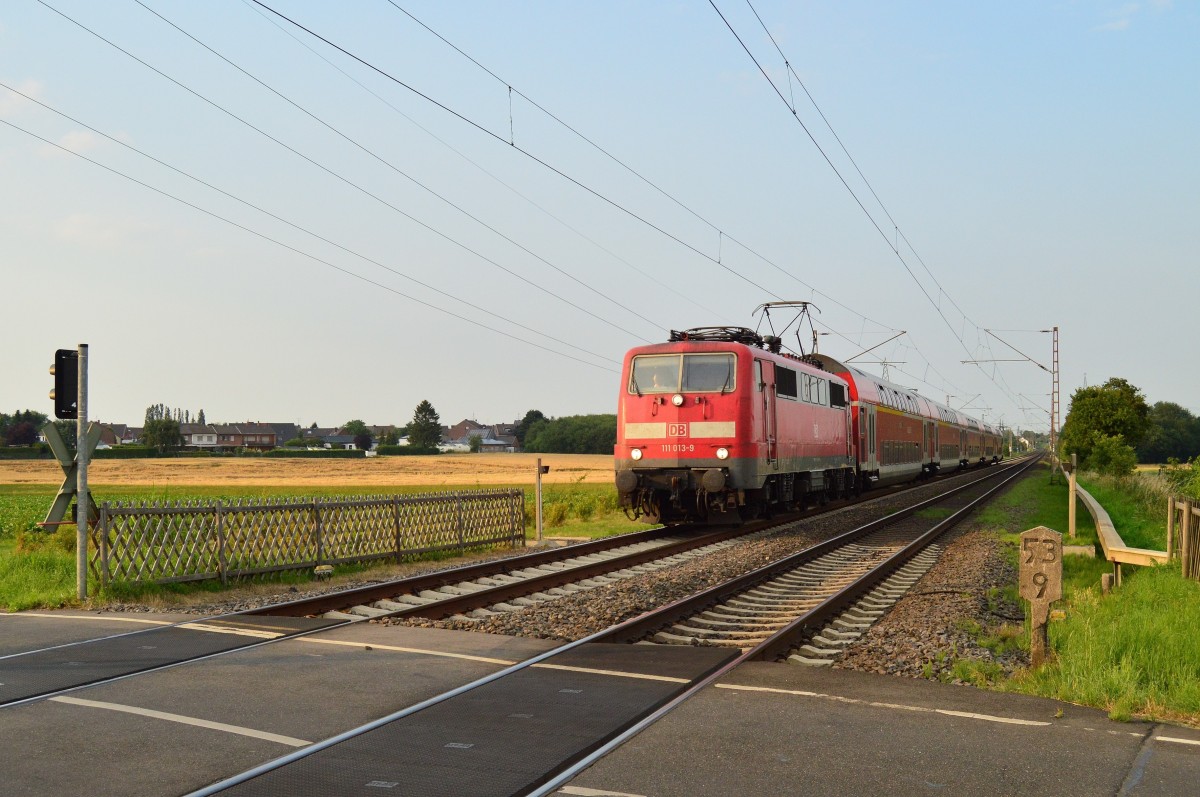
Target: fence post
396 518
105 575
1187 541
460 522
316 510
222 556
1170 527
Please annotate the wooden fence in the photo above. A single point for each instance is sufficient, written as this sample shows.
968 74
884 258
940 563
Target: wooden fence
191 541
1183 535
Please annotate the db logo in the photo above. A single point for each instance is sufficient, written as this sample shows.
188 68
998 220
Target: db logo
677 430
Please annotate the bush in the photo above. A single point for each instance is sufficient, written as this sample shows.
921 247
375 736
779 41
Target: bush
325 453
36 451
1111 455
404 451
127 452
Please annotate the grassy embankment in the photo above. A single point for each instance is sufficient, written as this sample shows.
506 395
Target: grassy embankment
37 569
1132 653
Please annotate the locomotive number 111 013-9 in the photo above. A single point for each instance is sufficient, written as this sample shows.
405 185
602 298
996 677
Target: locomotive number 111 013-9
678 448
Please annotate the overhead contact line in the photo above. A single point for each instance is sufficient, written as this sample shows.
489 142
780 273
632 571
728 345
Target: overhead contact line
337 176
301 252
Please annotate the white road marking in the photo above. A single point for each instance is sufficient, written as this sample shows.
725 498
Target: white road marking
222 629
582 792
105 617
162 715
1177 740
420 651
616 673
947 712
502 662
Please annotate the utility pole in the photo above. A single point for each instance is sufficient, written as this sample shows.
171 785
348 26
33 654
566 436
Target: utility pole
1054 402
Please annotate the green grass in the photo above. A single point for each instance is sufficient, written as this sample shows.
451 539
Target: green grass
1138 510
37 569
37 579
1132 653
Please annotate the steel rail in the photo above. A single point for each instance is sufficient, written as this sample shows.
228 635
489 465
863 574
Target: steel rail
564 776
478 599
642 626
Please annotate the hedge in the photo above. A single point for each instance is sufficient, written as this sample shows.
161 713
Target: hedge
26 452
404 451
327 453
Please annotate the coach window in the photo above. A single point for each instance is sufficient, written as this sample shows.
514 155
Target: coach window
655 373
708 373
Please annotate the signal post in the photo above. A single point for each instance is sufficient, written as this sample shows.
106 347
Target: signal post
70 394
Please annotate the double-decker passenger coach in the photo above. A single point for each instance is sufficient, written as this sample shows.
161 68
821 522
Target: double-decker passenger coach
718 420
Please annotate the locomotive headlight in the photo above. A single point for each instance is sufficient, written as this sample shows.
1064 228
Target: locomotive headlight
722 453
677 399
636 454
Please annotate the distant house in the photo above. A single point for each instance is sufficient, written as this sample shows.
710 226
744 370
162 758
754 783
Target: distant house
284 432
315 437
257 435
345 441
113 434
244 435
495 438
198 436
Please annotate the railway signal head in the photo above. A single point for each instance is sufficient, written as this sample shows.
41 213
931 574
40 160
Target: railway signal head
66 384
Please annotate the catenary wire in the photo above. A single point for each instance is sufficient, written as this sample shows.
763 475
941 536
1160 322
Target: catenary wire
303 229
611 202
855 197
337 176
722 234
574 230
301 252
397 169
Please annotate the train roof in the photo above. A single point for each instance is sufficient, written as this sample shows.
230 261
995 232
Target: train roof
873 388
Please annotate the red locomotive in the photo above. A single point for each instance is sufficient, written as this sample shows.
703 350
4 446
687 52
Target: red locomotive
721 420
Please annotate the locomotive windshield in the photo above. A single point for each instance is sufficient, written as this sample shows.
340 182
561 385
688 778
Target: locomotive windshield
674 373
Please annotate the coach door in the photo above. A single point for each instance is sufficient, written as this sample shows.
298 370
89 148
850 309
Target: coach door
764 377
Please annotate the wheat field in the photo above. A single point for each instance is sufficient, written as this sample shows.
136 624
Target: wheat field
431 471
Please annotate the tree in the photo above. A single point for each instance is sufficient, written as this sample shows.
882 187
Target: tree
1113 409
22 434
475 443
577 434
67 431
522 428
162 433
1173 432
200 417
390 437
8 423
425 431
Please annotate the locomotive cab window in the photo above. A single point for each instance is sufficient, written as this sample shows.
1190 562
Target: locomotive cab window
674 373
708 373
837 395
655 373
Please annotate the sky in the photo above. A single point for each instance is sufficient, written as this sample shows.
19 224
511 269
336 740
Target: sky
485 205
